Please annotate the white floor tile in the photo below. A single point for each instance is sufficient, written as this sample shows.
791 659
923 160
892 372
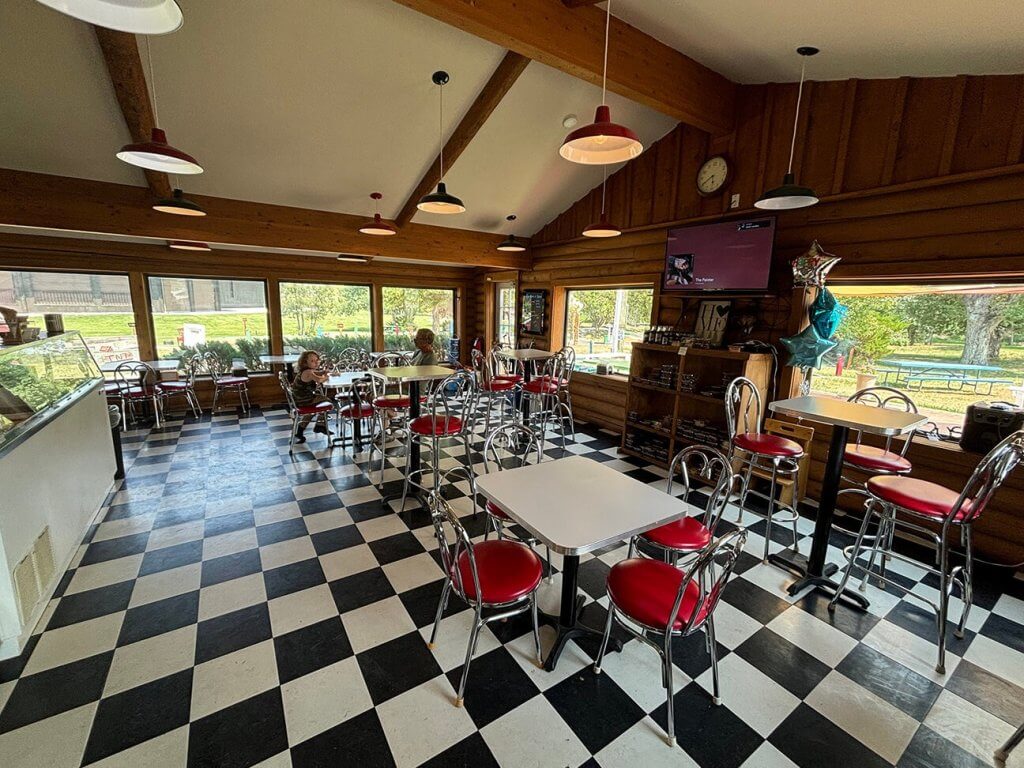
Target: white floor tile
347 562
151 659
322 699
326 521
75 642
550 742
163 584
453 639
761 702
232 678
811 634
423 722
104 574
58 741
376 623
231 595
644 744
767 756
910 650
286 552
229 543
299 609
997 658
637 671
972 729
412 572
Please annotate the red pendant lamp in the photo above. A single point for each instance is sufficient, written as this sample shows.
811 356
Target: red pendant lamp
377 226
602 227
602 142
156 154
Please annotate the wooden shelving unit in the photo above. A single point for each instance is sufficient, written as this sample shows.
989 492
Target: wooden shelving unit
669 417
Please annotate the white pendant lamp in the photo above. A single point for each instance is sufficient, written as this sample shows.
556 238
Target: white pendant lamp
791 195
156 154
440 201
179 205
510 244
141 17
602 142
602 227
377 225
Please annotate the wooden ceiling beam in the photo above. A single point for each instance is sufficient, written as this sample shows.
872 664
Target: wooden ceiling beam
504 77
640 67
579 3
81 205
121 54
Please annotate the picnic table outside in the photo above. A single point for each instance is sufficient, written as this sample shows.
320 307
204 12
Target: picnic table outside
955 376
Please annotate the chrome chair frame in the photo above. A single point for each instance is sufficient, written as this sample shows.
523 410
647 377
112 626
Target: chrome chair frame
743 410
188 391
546 407
442 514
492 390
879 397
136 382
984 481
216 369
720 556
293 411
440 406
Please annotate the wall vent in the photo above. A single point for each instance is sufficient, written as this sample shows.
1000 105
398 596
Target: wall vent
33 574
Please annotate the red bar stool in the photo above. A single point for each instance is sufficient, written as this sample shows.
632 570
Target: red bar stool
872 460
545 402
224 382
499 575
183 388
691 535
358 406
299 412
504 368
492 390
759 450
918 506
451 409
666 603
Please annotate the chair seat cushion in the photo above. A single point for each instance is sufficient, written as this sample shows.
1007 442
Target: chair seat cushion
172 386
392 401
767 445
498 385
516 378
361 411
645 590
231 381
307 410
436 425
541 386
875 459
112 388
496 511
687 534
929 500
137 393
507 571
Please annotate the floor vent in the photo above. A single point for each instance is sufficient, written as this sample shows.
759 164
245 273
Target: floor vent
33 574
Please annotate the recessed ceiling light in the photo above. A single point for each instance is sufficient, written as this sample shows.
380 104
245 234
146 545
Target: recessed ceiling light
188 245
352 258
570 121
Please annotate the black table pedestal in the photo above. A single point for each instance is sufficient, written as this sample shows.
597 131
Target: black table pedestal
813 570
413 447
568 624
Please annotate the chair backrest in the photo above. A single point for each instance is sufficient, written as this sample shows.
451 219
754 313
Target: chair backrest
510 447
569 356
479 363
498 364
455 396
214 366
454 541
374 385
990 473
554 368
711 572
706 466
136 375
390 359
282 379
742 407
352 359
192 367
885 397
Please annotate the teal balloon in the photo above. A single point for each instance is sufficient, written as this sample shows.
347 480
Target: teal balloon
826 313
806 348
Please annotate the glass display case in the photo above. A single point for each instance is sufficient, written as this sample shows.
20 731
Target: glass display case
39 379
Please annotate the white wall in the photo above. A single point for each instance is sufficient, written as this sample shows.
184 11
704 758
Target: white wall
58 477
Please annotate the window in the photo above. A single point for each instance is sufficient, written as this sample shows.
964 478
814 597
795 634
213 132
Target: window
228 317
406 309
326 317
505 313
97 306
945 346
601 323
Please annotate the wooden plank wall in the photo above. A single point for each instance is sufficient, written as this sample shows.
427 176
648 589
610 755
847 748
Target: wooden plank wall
921 179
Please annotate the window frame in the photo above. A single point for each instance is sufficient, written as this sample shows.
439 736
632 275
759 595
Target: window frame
375 316
564 296
456 296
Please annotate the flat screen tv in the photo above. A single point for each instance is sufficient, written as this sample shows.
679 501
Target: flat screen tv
730 256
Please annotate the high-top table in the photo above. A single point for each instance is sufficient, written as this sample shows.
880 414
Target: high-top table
288 361
576 505
528 357
413 375
160 366
339 382
842 416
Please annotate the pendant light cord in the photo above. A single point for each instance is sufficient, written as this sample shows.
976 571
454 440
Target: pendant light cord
604 70
604 183
796 117
440 126
152 82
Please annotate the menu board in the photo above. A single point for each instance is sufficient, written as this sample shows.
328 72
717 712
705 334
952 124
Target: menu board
534 312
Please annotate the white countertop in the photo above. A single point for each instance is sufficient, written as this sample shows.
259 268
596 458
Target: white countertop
576 505
526 354
866 418
415 372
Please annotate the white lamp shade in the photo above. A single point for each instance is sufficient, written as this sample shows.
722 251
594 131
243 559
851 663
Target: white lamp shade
142 17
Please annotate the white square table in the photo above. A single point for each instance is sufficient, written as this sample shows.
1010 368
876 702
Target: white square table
576 505
842 416
527 356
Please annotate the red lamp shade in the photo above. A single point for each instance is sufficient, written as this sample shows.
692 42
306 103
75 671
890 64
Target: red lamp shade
188 245
602 142
601 228
157 155
378 227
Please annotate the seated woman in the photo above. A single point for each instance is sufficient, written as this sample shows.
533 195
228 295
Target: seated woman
424 354
305 388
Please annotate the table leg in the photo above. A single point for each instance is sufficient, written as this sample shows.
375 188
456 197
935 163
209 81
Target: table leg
815 572
568 625
524 400
414 448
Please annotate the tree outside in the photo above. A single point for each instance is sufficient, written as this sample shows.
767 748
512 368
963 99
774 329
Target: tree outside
602 324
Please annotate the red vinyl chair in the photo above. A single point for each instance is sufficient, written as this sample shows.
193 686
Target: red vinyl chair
759 450
666 603
182 388
873 460
544 396
138 383
492 391
299 412
499 575
897 501
224 382
691 535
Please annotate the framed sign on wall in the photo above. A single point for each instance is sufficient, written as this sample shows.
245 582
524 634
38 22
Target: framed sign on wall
534 312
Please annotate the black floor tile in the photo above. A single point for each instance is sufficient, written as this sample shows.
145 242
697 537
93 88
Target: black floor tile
272 498
930 750
111 549
232 631
158 617
336 538
242 735
471 752
139 714
593 576
791 667
421 603
281 531
1005 631
397 547
359 741
90 604
175 556
890 680
291 578
597 710
921 621
851 621
813 741
56 690
753 601
310 648
987 691
496 686
215 526
316 504
361 589
397 666
169 517
712 735
229 567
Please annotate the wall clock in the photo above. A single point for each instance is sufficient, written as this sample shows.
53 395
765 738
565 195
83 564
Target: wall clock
713 175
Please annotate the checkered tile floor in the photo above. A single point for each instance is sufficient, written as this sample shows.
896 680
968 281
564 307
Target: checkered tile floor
240 606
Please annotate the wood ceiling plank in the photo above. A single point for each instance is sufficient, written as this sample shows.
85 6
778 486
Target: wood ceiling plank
504 77
640 67
579 3
121 55
82 205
